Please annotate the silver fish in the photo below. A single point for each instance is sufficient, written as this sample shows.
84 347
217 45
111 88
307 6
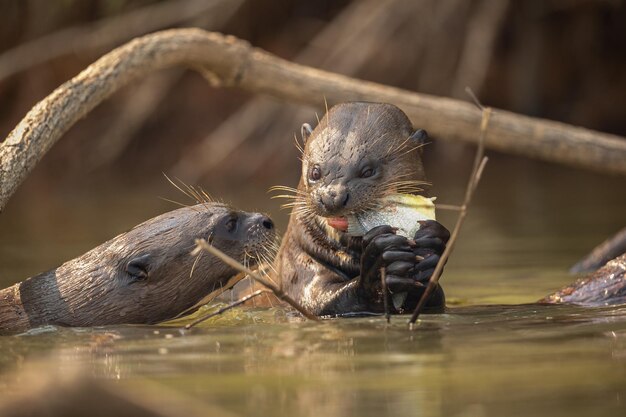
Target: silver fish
402 211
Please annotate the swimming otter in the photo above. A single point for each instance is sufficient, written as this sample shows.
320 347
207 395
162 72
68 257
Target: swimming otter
358 154
146 275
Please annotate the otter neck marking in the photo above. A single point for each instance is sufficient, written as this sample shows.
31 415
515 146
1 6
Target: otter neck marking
144 276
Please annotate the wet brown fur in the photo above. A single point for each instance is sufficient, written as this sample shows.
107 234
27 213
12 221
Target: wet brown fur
96 289
318 266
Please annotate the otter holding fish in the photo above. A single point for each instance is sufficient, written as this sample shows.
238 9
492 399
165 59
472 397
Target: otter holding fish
361 171
146 275
357 210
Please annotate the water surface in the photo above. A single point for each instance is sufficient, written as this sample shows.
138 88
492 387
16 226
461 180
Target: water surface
494 353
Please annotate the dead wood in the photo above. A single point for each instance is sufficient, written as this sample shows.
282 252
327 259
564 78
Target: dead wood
228 61
601 254
345 45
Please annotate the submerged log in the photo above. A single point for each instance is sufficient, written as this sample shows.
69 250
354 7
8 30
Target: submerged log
228 61
606 286
601 254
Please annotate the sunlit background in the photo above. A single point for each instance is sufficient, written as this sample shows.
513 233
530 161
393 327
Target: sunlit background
557 59
563 60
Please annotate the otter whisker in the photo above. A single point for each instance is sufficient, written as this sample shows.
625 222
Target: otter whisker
195 262
285 196
401 146
207 196
267 262
179 187
289 206
286 188
298 201
198 195
175 202
398 176
327 114
294 204
303 212
298 146
375 142
414 148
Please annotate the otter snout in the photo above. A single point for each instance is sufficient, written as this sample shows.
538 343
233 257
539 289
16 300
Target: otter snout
333 200
267 223
263 221
260 231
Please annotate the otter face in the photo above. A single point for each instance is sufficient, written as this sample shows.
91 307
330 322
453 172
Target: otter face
358 153
148 274
171 237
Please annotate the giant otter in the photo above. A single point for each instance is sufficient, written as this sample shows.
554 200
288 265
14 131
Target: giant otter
358 154
146 275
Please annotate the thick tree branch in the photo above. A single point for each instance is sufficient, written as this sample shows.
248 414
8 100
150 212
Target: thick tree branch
228 61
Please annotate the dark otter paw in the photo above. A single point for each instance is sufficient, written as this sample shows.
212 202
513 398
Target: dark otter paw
430 242
431 238
382 248
408 264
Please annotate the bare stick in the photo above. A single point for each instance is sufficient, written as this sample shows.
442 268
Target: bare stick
607 250
278 292
479 166
226 308
228 61
383 281
345 45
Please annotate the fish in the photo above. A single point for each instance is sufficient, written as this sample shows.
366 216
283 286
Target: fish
401 211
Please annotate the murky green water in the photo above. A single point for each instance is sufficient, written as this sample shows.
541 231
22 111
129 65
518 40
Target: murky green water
496 360
481 358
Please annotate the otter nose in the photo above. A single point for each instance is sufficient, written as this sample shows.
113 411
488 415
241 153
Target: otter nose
266 222
335 199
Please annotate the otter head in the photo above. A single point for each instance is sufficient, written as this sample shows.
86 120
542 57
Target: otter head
357 154
148 274
160 248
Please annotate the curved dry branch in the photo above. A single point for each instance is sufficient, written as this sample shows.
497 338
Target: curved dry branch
228 61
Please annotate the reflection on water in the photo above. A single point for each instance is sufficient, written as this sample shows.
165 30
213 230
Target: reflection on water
489 360
525 229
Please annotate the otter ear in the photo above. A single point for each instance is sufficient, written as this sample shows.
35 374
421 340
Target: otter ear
138 267
419 137
306 131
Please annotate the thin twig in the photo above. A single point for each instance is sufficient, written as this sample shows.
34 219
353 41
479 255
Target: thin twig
225 308
202 244
479 165
383 281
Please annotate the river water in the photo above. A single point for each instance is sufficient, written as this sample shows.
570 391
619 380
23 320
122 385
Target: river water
494 353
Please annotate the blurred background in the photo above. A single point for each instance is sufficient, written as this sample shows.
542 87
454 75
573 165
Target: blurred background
558 59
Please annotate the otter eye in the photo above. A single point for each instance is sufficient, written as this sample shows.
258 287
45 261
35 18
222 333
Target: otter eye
367 172
316 173
231 224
